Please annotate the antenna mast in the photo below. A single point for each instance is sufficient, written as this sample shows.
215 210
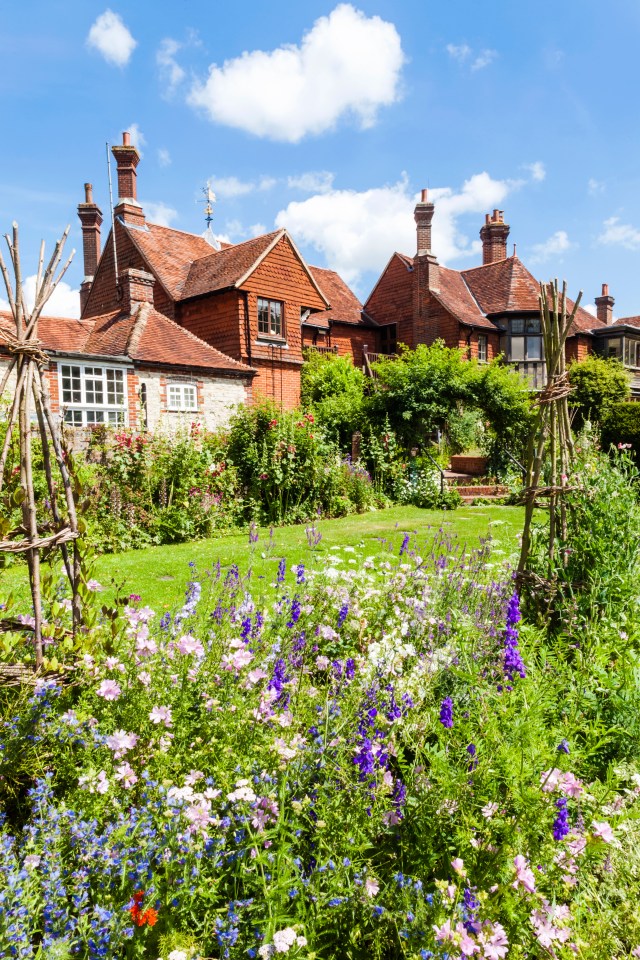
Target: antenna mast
113 223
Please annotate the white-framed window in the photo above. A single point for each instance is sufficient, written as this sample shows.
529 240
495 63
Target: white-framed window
92 394
482 348
270 318
182 397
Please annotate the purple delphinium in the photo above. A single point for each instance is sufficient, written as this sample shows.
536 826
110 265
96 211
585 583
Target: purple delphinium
446 712
350 668
282 569
513 662
405 544
561 824
563 746
342 616
295 612
300 574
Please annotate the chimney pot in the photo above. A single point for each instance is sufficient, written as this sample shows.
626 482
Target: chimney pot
605 289
88 193
424 196
126 139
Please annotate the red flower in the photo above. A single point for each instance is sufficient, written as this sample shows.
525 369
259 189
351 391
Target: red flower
150 917
141 918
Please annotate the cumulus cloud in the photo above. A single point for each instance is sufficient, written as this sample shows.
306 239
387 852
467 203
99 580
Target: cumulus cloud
171 73
347 64
594 187
164 157
620 234
463 54
590 308
537 170
160 213
64 302
357 231
557 244
314 181
109 36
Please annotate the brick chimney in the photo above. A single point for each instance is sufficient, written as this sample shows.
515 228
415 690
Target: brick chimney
604 305
137 288
494 235
426 271
127 159
91 219
423 216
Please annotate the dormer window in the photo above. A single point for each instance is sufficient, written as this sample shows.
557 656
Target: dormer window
270 318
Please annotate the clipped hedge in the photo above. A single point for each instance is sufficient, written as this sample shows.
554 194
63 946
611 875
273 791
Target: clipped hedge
621 425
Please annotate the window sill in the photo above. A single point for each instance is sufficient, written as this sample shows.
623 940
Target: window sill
271 342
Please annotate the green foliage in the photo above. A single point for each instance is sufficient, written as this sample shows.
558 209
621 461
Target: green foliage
621 425
436 388
333 389
597 383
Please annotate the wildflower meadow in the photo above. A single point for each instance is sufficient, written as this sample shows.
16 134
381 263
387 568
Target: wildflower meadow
383 757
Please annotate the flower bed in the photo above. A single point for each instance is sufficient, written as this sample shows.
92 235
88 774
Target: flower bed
371 759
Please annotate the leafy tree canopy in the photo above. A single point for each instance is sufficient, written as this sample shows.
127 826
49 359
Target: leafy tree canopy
597 383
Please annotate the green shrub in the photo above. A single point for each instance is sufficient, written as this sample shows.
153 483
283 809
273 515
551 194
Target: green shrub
597 383
333 389
621 426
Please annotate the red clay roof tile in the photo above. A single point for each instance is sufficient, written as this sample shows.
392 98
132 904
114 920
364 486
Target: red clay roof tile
344 305
221 269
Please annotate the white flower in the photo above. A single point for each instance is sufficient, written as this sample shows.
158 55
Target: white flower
283 939
371 886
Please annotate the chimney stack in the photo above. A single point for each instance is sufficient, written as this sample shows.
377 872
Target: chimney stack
424 215
494 235
604 306
127 159
90 219
137 288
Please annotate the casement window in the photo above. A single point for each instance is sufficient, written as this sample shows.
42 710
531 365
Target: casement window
92 394
525 340
270 318
482 348
631 353
182 397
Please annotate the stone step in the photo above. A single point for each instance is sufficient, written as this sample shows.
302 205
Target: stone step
478 490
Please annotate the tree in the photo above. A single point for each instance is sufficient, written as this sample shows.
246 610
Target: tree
596 385
334 389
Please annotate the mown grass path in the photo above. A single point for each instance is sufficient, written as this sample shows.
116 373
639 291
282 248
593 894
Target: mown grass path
159 574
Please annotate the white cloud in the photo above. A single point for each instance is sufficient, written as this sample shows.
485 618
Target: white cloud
590 308
171 72
109 36
537 170
484 58
64 302
315 181
137 137
459 53
358 231
557 244
620 234
164 157
230 187
347 64
256 229
160 213
594 187
463 54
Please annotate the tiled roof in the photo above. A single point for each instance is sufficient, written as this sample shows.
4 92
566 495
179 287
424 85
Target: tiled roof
455 296
344 305
146 336
627 322
156 339
506 286
170 254
221 269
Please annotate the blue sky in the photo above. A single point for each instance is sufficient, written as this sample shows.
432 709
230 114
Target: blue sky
328 118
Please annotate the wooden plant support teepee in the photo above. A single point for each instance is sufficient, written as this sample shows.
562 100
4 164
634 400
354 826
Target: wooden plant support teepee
32 393
551 439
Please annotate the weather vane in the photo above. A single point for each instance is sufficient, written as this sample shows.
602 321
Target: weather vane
210 199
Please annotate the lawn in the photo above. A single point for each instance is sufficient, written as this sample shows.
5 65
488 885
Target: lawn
159 574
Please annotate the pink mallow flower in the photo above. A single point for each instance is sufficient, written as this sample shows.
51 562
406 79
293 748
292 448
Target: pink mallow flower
126 775
161 715
458 866
602 831
189 645
494 942
109 689
524 875
120 742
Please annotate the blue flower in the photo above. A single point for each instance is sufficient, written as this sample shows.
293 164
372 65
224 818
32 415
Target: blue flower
446 712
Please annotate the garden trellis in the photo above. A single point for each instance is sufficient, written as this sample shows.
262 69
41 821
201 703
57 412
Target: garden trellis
29 362
551 442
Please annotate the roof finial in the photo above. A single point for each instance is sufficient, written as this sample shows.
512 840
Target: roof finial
515 247
209 200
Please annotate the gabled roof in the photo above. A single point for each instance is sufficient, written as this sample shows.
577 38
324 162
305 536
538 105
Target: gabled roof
169 253
344 305
626 322
145 336
454 294
221 269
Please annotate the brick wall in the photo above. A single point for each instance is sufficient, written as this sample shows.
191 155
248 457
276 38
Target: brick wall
392 300
470 346
218 319
350 341
577 348
279 381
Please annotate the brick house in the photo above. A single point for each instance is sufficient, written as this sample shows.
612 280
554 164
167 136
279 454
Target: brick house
486 310
257 302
